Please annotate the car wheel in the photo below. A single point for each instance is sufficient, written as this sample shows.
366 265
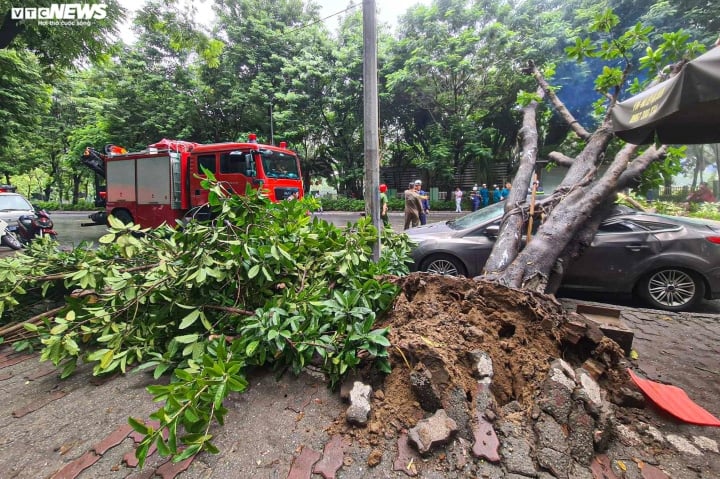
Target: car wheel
672 289
444 264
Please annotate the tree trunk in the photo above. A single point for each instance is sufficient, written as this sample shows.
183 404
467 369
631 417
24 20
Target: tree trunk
77 179
573 212
509 240
9 29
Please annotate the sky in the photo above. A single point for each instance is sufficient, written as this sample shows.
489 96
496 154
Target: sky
388 10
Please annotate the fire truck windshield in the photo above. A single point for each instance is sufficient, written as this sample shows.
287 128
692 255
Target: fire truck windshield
279 165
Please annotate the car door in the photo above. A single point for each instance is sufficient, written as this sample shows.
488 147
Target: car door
474 248
612 261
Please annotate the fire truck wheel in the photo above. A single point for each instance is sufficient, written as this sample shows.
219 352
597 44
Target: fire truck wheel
123 215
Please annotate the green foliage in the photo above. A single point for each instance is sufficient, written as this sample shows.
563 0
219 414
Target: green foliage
660 173
81 205
279 287
707 211
61 48
24 99
525 98
394 204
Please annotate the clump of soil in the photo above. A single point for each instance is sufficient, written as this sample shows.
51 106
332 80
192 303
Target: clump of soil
439 321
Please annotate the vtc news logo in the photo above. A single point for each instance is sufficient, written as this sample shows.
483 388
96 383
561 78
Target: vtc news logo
61 11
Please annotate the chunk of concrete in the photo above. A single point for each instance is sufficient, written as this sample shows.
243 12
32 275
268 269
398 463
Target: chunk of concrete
359 409
433 431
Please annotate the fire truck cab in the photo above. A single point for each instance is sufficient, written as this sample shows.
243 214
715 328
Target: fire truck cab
162 183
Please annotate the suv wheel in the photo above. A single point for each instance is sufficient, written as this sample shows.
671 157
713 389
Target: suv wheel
444 264
672 289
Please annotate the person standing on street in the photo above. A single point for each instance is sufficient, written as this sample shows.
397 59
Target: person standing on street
496 194
384 205
425 200
413 207
458 200
505 192
485 195
475 199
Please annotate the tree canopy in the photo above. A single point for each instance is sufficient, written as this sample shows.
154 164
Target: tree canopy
450 77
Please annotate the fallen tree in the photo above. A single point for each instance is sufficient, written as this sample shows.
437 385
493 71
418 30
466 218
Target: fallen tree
264 284
573 212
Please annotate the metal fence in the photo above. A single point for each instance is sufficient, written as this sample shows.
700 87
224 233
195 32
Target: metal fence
676 193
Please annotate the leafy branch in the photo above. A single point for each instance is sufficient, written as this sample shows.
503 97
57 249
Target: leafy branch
262 284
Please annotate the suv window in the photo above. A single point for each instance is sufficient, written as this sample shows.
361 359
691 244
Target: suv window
617 226
656 225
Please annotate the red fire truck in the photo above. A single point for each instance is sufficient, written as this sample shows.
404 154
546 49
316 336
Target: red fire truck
161 184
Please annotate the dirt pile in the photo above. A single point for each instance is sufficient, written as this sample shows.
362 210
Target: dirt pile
535 396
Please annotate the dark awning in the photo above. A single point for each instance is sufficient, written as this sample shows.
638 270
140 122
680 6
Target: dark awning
682 110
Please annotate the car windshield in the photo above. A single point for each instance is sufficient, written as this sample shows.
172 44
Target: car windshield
480 216
279 165
14 202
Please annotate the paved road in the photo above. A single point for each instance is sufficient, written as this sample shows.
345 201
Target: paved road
71 234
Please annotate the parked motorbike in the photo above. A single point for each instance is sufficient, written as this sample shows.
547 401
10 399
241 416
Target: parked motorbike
34 226
7 238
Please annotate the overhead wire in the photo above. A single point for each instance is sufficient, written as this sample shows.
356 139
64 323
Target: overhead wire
351 7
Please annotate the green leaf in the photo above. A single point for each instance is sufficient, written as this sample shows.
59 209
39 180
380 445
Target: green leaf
107 358
188 320
379 339
59 329
254 271
32 327
186 339
250 349
162 446
219 395
187 452
141 453
138 426
191 416
71 346
107 239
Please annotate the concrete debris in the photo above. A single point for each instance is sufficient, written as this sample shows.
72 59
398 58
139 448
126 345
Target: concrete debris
359 409
483 364
436 430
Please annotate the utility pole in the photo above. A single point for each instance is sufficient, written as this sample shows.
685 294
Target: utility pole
370 121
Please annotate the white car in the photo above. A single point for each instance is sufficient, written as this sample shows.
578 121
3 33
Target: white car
13 206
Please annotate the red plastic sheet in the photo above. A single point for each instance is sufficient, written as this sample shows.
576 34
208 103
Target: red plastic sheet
674 401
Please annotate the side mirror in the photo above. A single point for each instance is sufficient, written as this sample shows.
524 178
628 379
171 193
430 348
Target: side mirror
492 231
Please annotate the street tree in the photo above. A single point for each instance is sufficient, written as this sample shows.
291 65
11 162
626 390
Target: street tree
575 209
59 47
23 100
447 80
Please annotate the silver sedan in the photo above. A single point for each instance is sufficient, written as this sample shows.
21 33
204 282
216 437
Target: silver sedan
670 262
